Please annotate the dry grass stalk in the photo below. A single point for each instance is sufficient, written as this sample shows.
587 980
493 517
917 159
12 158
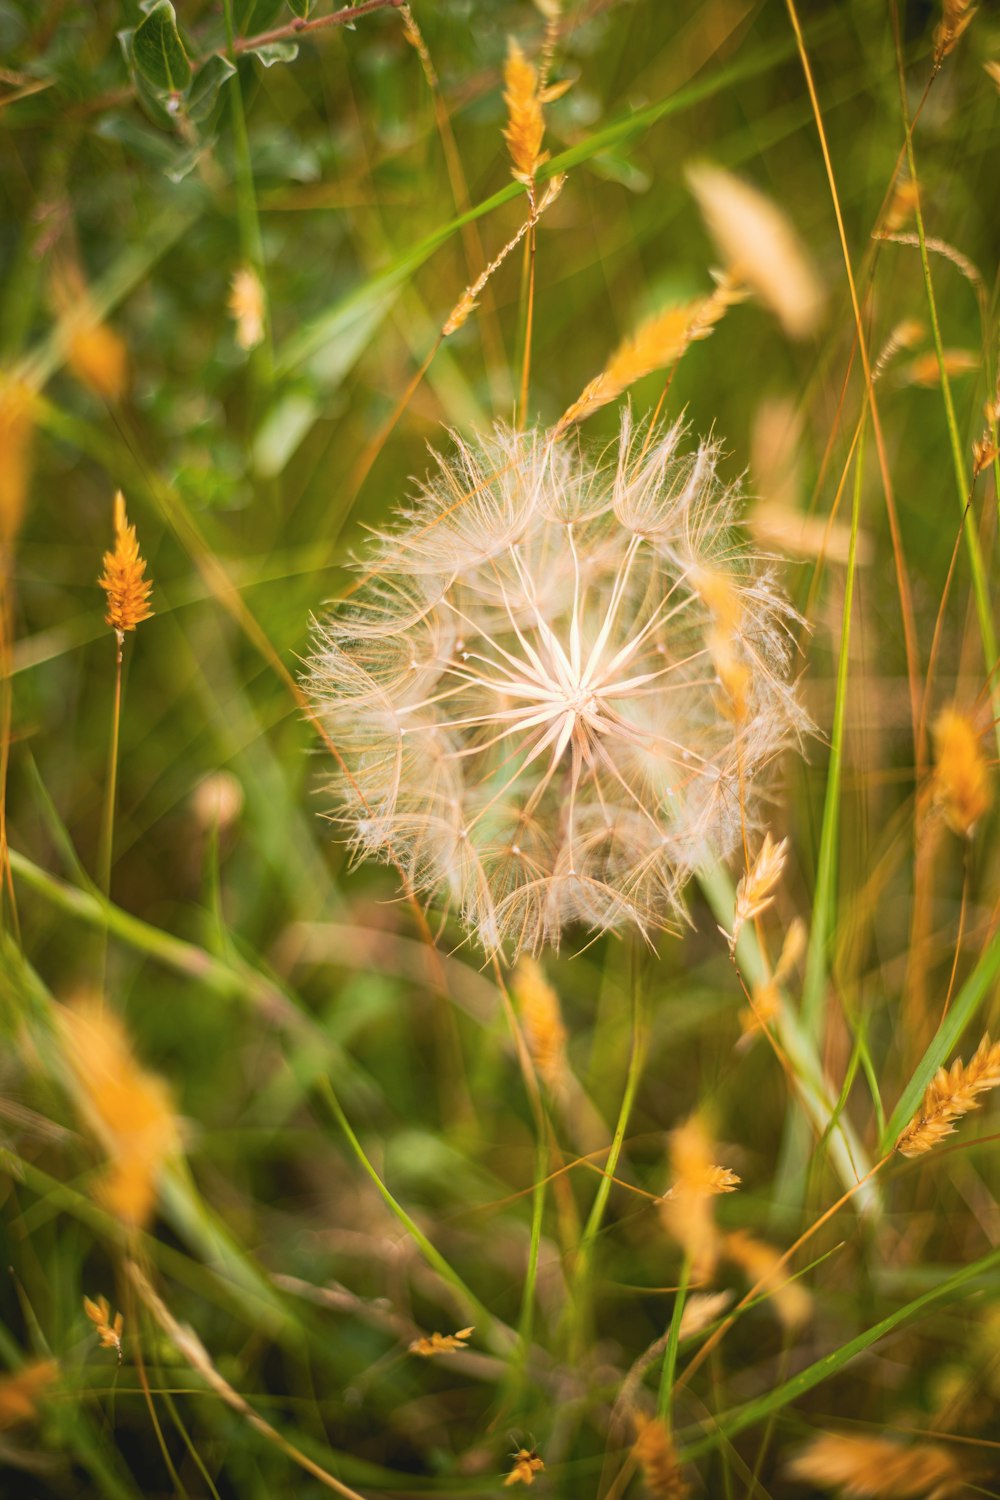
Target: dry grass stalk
246 304
440 1343
122 580
759 247
766 994
952 1093
686 1210
526 1465
757 887
469 298
538 1006
21 1392
764 1267
960 783
525 121
17 430
658 342
876 1468
128 1110
191 1348
992 69
956 16
656 1455
109 1330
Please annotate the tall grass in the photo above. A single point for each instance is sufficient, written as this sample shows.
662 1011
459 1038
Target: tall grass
301 1189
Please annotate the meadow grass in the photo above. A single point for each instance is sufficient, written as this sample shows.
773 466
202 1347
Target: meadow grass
305 1186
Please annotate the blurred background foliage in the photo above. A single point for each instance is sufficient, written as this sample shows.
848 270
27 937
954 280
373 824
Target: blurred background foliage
141 167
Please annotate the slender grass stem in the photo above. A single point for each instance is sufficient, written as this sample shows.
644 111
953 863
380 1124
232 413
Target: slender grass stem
665 1393
107 836
496 1334
963 485
824 900
592 1228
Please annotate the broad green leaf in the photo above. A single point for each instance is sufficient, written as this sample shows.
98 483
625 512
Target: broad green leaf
158 52
207 83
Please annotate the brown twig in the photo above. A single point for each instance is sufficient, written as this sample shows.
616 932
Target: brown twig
301 27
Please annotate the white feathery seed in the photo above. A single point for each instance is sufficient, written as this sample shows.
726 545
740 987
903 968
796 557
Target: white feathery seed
531 688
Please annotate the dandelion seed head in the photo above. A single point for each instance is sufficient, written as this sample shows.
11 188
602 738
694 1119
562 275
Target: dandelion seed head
531 690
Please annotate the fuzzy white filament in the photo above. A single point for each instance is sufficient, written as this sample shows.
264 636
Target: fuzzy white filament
557 686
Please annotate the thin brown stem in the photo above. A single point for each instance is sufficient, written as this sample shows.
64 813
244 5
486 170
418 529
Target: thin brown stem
301 27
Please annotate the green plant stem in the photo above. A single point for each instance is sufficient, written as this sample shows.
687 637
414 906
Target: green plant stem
251 240
496 1334
107 837
637 1056
824 900
963 485
847 1154
665 1393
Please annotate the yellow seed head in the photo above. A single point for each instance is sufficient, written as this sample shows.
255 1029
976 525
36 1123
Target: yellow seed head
122 580
17 429
961 781
128 1110
525 123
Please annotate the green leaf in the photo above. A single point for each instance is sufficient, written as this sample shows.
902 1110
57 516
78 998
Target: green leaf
945 1040
736 1421
300 7
205 89
274 52
158 52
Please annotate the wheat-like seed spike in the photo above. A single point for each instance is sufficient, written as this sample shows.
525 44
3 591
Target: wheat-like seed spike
759 247
952 1092
122 580
468 300
905 335
440 1343
876 1468
961 780
21 1391
109 1330
525 121
764 1267
961 262
686 1210
956 16
527 1464
657 342
17 430
544 1032
655 1452
128 1109
756 889
246 304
